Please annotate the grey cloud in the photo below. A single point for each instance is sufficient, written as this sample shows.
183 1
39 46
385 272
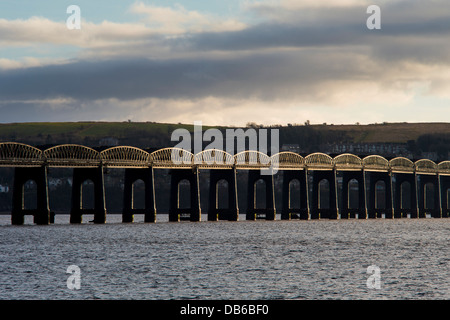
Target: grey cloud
321 27
265 75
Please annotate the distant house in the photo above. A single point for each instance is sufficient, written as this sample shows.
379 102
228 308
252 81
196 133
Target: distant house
291 147
108 142
382 149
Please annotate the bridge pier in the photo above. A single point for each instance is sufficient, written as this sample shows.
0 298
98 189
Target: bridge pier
80 175
269 211
372 211
344 210
231 213
288 213
131 176
422 181
444 195
316 212
175 212
400 178
41 214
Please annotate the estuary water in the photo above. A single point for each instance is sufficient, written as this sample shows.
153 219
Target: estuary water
316 259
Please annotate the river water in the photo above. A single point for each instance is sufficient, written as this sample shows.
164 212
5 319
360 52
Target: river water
316 259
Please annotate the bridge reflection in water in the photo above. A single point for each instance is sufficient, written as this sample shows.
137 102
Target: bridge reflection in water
308 173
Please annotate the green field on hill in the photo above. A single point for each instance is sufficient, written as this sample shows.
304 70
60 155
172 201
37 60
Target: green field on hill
420 137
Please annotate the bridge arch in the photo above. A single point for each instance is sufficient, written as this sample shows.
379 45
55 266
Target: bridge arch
406 190
13 154
125 157
425 166
347 161
251 159
402 165
375 163
323 188
294 194
319 161
380 194
170 158
72 155
214 158
30 194
444 168
221 188
259 194
184 194
288 161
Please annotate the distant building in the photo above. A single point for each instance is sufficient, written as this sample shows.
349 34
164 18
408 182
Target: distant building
4 189
291 147
108 142
382 149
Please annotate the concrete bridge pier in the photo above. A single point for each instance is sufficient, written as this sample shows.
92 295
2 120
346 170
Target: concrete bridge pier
316 211
41 213
399 196
231 213
422 181
345 211
288 213
269 211
444 195
373 212
175 212
131 176
80 175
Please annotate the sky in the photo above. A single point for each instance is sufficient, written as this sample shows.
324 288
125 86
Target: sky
225 62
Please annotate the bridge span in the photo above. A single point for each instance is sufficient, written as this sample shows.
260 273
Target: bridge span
31 163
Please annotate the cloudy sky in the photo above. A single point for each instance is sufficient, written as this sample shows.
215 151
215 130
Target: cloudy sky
225 62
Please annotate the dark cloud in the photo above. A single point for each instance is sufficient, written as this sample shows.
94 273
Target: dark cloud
269 75
304 55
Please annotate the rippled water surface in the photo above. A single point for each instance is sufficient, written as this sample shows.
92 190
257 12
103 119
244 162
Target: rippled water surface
226 260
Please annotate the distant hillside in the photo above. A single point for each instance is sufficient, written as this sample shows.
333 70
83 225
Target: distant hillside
418 137
388 132
141 134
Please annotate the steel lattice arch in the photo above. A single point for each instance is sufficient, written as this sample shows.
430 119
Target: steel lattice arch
13 154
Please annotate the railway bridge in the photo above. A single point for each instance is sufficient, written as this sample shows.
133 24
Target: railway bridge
309 172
